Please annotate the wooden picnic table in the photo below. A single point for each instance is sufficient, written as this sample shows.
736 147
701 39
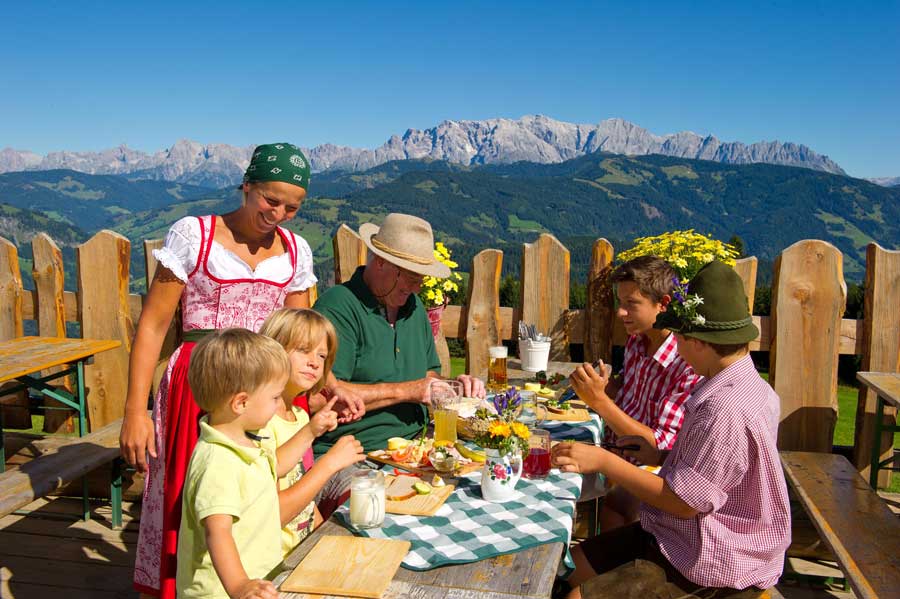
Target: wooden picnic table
22 359
887 386
528 573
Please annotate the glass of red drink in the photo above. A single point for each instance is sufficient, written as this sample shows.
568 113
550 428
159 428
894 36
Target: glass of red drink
537 462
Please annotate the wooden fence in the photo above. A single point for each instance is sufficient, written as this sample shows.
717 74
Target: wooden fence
804 335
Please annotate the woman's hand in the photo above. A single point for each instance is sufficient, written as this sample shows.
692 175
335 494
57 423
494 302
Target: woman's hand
324 420
136 440
349 406
581 458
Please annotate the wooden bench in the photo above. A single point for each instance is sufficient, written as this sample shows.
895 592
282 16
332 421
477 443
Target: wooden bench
851 518
71 458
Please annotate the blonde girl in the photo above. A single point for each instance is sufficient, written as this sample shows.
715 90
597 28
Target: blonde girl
311 344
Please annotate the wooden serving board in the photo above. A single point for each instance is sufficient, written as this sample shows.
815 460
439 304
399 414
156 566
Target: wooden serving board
570 415
427 471
419 505
352 566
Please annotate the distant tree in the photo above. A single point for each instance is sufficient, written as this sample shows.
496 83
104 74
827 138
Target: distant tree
577 295
510 291
738 244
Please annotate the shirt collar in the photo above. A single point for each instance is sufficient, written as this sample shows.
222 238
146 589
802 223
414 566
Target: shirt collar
248 454
358 287
731 376
666 353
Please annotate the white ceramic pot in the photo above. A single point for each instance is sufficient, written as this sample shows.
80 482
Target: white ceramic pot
500 475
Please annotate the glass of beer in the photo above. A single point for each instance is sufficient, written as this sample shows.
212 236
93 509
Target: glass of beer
497 380
445 397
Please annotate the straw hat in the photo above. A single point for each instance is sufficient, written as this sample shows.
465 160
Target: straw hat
405 241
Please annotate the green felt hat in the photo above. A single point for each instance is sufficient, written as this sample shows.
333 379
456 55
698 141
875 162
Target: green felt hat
713 308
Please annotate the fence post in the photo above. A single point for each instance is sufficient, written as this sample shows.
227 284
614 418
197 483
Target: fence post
483 310
349 253
599 313
881 353
11 292
808 300
47 271
545 291
746 269
103 265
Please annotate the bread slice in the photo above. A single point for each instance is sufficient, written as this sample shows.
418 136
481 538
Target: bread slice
402 488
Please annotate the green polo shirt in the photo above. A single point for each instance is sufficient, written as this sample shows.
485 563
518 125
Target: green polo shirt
370 350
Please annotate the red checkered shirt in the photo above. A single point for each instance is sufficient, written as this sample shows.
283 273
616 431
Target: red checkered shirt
725 465
655 387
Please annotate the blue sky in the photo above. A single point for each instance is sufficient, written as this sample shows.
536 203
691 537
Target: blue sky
86 76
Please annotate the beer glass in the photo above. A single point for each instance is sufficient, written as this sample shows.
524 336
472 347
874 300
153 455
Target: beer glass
497 380
445 397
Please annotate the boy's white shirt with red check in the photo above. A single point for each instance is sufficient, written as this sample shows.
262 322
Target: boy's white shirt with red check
654 388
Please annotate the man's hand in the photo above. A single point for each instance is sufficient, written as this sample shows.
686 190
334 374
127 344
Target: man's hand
256 589
646 454
324 420
577 457
349 406
590 385
472 386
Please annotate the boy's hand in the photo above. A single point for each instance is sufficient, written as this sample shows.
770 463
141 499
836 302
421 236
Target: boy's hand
345 452
646 454
589 384
256 589
577 457
324 420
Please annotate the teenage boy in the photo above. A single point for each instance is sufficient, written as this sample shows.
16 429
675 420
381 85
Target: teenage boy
654 382
716 521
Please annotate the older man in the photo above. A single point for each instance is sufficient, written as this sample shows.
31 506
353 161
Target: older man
386 353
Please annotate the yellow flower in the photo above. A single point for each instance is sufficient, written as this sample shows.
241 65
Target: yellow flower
499 429
520 430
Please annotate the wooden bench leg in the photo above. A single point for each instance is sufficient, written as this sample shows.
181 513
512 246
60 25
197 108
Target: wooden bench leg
115 492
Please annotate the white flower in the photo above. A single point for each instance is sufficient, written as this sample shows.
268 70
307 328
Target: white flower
699 319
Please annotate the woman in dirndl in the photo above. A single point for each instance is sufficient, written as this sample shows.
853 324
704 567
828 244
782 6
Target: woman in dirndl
229 270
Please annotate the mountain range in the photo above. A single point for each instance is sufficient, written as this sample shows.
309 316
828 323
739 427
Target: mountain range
496 206
537 139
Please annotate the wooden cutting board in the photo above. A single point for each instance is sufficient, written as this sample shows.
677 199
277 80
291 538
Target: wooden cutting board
427 472
570 415
419 505
353 566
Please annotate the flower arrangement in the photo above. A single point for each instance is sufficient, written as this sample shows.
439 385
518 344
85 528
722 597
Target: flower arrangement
684 304
437 292
500 430
686 251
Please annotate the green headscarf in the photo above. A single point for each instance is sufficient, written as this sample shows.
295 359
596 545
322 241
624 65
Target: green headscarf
278 162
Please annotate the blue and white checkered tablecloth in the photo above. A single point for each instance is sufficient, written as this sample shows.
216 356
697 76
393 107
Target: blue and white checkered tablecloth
590 431
467 528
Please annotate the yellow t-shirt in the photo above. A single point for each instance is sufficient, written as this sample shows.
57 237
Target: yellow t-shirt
299 528
226 478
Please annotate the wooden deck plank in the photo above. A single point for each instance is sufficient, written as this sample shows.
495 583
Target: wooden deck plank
852 519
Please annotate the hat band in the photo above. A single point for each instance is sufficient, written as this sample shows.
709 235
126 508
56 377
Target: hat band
724 325
399 254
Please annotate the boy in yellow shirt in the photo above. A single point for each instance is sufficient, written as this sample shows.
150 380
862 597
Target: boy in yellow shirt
230 522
